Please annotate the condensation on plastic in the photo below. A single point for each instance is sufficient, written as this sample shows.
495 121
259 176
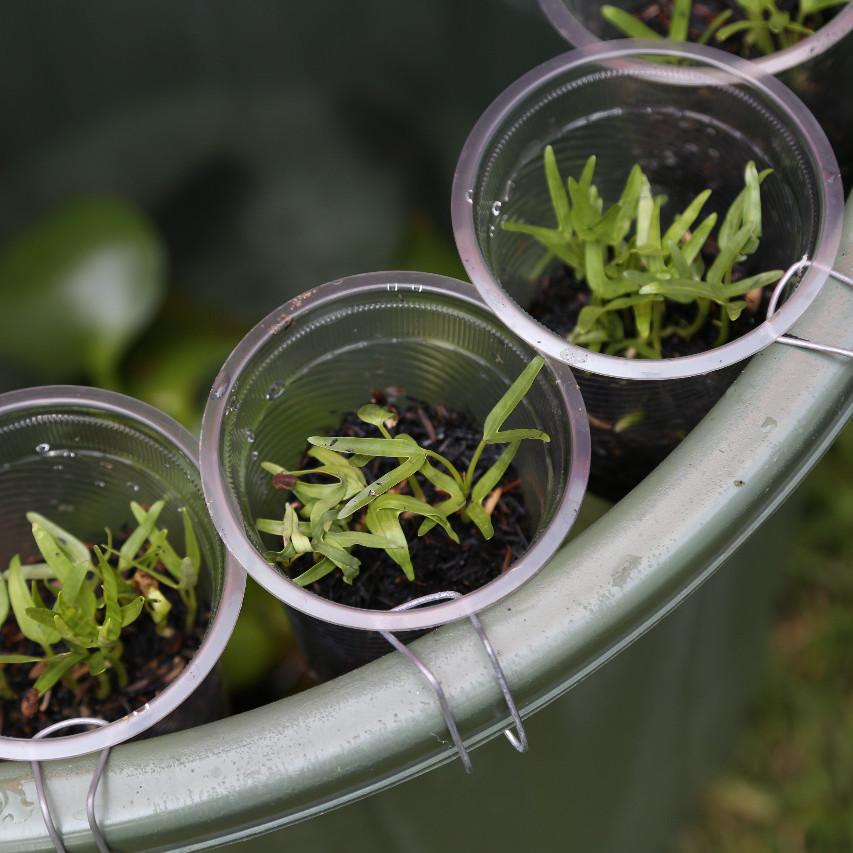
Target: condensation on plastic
415 337
689 125
812 68
79 456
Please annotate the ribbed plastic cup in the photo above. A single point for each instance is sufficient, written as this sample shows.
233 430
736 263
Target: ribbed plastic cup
812 68
692 118
79 456
415 337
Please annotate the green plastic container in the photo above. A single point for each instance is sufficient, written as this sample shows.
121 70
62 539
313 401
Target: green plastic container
632 654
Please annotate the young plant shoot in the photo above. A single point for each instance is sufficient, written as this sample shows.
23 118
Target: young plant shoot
763 28
75 604
328 519
636 270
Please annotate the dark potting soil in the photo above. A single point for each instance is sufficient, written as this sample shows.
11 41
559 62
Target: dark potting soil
561 298
658 13
439 563
626 448
152 663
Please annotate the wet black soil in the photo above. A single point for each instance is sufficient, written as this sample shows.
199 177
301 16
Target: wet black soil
635 425
439 562
152 662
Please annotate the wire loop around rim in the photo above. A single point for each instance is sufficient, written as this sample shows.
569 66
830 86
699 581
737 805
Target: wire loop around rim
519 740
793 340
93 787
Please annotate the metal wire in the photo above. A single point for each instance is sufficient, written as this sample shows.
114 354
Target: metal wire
793 340
93 787
519 738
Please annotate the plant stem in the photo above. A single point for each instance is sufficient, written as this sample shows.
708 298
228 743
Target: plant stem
698 322
723 336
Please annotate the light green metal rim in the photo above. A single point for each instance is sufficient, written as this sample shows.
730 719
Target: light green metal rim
380 725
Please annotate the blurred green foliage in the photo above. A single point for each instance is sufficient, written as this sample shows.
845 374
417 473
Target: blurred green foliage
77 289
87 296
789 786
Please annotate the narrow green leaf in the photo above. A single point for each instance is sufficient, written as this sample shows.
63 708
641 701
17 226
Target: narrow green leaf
145 526
188 575
191 546
557 191
594 254
56 669
96 662
643 318
729 253
684 221
508 435
111 626
72 577
83 630
692 247
70 545
386 447
318 571
387 481
744 285
19 658
565 247
628 24
21 600
475 513
508 402
492 475
385 522
679 23
130 612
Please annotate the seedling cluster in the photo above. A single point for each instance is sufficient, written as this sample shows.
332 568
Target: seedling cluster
329 518
765 27
635 271
75 603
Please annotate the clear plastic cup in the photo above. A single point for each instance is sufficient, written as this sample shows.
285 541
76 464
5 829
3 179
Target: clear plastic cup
692 118
811 68
418 337
79 456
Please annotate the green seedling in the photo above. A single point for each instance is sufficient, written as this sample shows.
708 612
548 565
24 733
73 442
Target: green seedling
328 519
636 271
76 603
764 28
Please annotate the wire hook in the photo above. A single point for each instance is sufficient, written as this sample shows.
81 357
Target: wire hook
792 340
93 787
518 739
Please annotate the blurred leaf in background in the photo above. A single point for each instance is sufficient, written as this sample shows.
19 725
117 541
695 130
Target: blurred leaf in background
77 289
789 786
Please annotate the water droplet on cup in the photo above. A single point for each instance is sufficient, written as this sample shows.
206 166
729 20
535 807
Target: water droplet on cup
275 391
496 208
132 486
469 196
42 448
220 386
250 436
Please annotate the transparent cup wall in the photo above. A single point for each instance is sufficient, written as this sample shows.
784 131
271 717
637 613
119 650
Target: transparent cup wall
301 371
812 68
79 458
689 129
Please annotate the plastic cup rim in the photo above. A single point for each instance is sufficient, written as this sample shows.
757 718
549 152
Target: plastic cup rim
228 520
